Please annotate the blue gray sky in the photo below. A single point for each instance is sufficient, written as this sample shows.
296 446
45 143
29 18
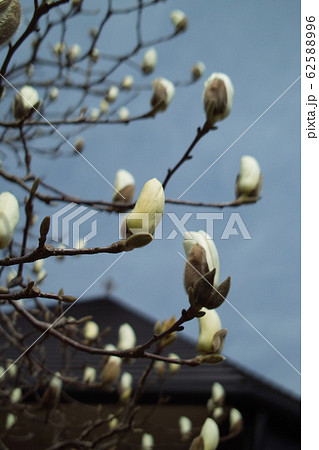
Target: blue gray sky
257 44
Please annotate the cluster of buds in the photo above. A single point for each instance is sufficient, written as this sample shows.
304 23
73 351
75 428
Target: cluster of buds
163 92
139 225
25 102
249 179
10 16
216 401
9 218
218 97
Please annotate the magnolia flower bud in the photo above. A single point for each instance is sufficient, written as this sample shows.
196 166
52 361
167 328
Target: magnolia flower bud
173 368
149 61
94 114
126 337
160 368
123 113
147 441
218 97
73 53
54 93
113 421
210 434
79 244
218 412
249 180
235 420
51 396
104 106
59 48
211 335
179 20
24 101
16 395
196 258
9 218
145 216
124 186
41 276
79 146
185 427
11 276
125 387
10 420
163 92
38 265
112 368
12 369
95 54
197 70
10 15
91 330
218 394
89 375
127 82
112 94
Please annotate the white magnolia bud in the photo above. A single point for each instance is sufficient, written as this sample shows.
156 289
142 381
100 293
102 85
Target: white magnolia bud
218 97
73 52
147 441
173 368
125 387
163 92
206 242
10 15
123 113
147 213
12 369
38 265
160 368
112 368
9 218
179 20
218 412
209 325
185 427
54 390
95 55
112 94
210 434
79 146
127 82
41 276
126 337
59 48
11 275
124 186
218 393
104 106
24 101
149 61
16 395
10 420
80 244
94 114
197 70
89 375
113 421
235 420
54 93
91 330
249 180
